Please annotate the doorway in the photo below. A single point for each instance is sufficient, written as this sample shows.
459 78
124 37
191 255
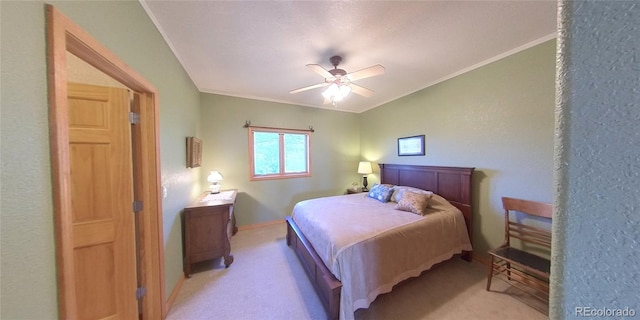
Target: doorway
96 271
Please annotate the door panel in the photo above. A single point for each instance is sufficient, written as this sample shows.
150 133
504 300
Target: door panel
91 275
89 182
102 197
87 113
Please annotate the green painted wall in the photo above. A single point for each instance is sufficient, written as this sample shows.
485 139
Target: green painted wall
498 118
28 283
335 152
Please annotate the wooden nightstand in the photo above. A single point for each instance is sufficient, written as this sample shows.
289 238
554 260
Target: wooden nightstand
351 191
207 224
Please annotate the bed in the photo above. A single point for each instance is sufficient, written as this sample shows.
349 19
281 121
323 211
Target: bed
350 261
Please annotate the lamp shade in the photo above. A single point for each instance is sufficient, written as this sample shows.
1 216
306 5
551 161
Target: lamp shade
214 176
345 90
364 167
331 91
336 92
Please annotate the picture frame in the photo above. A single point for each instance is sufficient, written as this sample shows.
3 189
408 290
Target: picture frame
194 152
411 146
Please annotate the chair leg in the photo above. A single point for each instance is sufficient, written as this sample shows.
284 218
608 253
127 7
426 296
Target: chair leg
490 274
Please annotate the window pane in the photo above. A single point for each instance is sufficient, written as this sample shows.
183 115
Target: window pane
295 153
266 153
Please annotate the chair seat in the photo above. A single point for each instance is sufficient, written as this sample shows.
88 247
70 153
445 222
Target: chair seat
524 258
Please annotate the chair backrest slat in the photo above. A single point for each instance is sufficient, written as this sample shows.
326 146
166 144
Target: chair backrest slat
544 243
533 208
527 233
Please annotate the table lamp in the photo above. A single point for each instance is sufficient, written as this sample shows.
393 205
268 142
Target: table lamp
215 177
364 168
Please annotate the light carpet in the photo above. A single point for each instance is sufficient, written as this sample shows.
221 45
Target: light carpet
266 281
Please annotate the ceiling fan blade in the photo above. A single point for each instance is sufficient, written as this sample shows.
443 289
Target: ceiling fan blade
321 71
366 72
361 90
319 85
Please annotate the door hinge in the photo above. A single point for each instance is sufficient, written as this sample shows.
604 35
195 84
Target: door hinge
134 118
140 292
137 206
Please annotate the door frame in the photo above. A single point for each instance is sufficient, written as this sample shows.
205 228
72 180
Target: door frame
64 35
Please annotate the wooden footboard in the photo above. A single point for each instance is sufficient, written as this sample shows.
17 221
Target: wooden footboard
325 283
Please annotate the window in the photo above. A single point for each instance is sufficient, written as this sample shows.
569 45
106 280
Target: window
278 153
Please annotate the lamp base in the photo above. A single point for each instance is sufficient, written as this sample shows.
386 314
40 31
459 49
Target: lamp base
215 188
364 183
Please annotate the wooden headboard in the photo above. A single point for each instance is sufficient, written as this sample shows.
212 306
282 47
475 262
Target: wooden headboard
452 183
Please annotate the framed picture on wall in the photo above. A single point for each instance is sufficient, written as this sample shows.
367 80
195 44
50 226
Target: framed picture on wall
194 152
411 146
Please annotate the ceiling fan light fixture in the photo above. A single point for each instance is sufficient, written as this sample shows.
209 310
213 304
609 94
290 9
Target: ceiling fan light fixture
336 92
331 91
345 90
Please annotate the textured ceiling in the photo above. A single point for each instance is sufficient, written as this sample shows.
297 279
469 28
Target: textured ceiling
259 49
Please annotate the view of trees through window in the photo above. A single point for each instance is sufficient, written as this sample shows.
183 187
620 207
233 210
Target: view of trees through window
278 153
266 153
295 153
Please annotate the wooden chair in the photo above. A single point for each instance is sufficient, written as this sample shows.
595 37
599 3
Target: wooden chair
518 266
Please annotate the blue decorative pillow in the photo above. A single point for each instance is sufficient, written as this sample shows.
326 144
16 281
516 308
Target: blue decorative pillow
381 192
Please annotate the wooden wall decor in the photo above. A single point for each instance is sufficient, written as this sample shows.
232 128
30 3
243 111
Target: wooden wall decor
194 152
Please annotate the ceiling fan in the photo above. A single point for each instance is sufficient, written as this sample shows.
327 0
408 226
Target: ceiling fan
339 82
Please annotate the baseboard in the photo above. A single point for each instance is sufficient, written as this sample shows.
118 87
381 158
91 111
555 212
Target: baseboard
481 260
174 293
260 225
